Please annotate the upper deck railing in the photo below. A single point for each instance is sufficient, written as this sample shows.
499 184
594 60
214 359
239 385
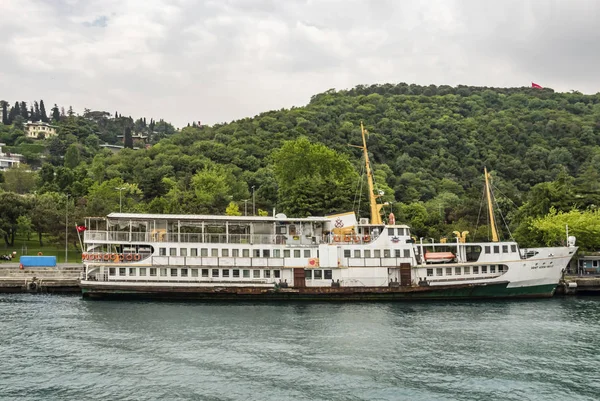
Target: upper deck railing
91 236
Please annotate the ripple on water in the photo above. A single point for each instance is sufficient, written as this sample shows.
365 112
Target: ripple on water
56 347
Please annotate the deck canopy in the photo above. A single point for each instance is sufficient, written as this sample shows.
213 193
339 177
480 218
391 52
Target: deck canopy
206 228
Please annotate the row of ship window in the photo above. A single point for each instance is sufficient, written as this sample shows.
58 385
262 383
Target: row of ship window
276 253
312 274
496 248
376 253
235 253
457 271
188 272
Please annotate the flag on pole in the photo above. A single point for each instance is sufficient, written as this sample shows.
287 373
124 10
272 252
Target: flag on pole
536 86
79 230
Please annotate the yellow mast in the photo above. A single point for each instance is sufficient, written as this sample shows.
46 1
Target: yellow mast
490 207
375 208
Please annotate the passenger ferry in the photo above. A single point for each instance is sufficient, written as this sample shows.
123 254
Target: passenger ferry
333 257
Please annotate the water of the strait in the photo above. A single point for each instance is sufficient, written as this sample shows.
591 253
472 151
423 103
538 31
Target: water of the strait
66 348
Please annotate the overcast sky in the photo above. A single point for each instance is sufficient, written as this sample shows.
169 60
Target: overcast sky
220 60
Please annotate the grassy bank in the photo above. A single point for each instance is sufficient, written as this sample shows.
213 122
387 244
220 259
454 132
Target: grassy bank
31 247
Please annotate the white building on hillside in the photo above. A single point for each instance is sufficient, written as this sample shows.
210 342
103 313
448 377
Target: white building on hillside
9 160
34 130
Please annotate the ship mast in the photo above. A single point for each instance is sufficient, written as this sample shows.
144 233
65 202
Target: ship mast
490 207
375 208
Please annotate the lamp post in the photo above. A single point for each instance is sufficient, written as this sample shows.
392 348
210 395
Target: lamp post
253 202
120 189
67 229
246 207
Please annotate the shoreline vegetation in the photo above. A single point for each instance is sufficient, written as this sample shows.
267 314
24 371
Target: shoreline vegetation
428 147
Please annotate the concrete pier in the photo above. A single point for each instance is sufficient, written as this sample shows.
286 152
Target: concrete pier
579 285
60 279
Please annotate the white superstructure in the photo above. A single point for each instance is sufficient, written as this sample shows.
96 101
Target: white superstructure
304 252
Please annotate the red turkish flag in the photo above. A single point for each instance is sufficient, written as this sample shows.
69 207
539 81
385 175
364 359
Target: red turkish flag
536 86
81 229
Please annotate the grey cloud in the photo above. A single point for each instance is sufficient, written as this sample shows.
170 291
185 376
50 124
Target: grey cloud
187 60
101 22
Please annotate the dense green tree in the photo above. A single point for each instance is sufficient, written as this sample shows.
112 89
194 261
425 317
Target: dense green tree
72 156
233 209
104 197
23 110
13 206
14 112
47 174
55 113
35 115
20 180
584 225
127 138
4 106
48 214
64 179
24 226
313 179
43 115
212 189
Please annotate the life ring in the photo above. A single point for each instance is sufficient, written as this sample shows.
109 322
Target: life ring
336 238
114 257
32 286
20 266
84 256
367 238
356 239
106 256
129 257
137 257
347 238
40 254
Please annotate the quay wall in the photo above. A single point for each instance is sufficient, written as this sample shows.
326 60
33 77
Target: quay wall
579 285
58 279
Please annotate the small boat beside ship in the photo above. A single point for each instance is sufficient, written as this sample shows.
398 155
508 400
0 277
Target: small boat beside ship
329 258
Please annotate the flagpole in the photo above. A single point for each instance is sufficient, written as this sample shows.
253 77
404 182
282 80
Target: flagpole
79 236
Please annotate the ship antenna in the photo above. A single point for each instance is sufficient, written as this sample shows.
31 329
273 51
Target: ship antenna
490 207
375 208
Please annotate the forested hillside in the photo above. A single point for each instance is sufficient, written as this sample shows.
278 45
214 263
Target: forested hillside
428 146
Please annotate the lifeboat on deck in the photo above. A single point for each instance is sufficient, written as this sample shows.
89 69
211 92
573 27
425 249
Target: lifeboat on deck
439 257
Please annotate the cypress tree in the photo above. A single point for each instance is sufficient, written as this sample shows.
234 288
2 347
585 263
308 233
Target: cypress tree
43 115
14 112
70 112
23 110
116 115
36 111
4 105
32 114
55 113
128 139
